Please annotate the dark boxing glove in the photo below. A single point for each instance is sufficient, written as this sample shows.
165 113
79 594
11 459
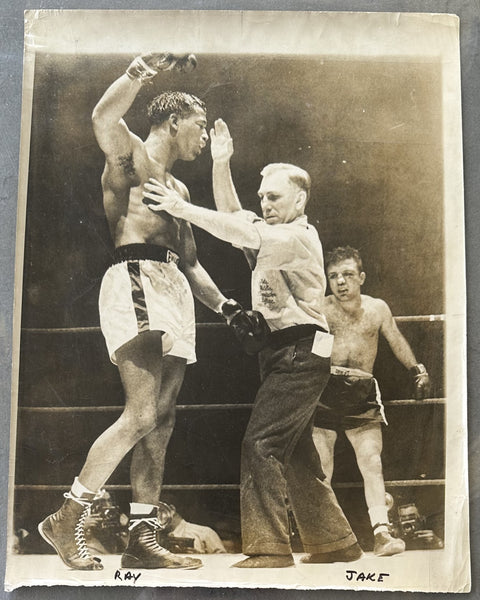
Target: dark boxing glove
249 326
421 381
145 67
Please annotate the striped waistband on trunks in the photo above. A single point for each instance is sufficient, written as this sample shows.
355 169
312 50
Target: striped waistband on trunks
144 252
290 335
348 372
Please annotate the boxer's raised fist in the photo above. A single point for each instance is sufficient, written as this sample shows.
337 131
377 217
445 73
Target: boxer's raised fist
146 66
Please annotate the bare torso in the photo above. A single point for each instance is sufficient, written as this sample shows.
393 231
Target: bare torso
356 331
129 218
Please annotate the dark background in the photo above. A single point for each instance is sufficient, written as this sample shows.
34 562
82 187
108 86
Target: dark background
368 131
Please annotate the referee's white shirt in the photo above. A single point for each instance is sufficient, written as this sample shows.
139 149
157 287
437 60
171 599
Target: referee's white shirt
288 279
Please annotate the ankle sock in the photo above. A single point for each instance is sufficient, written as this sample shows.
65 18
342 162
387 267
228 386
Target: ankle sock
138 508
79 491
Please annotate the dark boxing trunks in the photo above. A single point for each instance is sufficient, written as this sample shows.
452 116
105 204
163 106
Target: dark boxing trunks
350 400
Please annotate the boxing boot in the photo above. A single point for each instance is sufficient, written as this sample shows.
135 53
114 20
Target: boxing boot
387 545
64 530
143 550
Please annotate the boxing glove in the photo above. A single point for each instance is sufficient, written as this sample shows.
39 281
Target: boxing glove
421 381
146 66
249 326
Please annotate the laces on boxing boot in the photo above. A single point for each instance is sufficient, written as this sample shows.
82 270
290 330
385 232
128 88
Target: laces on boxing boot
144 551
65 532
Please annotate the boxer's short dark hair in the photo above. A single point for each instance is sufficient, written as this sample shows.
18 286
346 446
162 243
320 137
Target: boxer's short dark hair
167 103
343 253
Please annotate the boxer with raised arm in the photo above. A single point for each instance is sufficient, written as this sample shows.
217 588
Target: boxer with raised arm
351 401
146 311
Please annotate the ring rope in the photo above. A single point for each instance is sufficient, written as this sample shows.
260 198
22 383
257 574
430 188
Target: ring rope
231 486
96 329
117 408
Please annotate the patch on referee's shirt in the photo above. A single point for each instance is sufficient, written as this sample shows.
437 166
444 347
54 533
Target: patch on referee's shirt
267 295
138 296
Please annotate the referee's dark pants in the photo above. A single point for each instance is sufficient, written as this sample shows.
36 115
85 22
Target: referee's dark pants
279 459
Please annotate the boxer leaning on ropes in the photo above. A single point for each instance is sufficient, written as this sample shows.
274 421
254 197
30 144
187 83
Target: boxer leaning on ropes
351 401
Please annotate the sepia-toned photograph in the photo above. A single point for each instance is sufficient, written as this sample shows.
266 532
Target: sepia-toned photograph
240 327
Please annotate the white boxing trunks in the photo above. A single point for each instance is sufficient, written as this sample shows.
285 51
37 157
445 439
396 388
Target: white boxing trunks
145 291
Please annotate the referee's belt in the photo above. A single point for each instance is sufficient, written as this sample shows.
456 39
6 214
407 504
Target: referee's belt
290 335
144 252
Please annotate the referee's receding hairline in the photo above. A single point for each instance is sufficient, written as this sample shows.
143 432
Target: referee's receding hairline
298 176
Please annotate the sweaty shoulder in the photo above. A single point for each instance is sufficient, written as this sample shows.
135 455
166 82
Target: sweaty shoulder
376 305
